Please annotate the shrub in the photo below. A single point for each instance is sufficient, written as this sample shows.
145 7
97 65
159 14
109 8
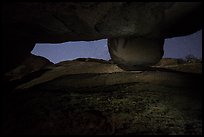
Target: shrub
192 59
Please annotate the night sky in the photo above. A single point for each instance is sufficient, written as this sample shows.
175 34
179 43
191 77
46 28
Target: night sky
177 47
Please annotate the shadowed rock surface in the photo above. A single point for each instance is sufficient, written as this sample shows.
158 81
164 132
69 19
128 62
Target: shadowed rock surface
27 23
31 64
65 21
87 96
98 98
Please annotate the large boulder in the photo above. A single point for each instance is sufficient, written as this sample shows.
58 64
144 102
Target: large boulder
135 53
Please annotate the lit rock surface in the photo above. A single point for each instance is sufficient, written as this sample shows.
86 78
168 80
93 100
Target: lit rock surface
100 98
71 68
134 53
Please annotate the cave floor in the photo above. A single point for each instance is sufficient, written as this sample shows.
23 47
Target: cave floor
158 103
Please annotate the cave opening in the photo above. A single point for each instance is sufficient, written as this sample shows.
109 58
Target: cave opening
72 50
183 46
176 47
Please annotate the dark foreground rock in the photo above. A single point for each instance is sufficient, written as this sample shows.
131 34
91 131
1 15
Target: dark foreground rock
155 102
31 64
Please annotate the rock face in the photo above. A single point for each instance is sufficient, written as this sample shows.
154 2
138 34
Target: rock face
180 65
29 65
94 72
51 22
82 97
98 98
134 53
74 68
60 22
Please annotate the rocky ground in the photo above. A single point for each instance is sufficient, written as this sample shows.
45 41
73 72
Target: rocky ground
88 96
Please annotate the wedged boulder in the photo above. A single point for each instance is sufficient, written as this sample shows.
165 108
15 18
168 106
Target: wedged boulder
135 53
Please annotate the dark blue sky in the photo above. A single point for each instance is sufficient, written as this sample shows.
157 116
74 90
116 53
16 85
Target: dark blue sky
177 47
73 50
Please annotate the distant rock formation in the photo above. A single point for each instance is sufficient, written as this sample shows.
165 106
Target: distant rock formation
75 67
93 72
29 65
92 60
170 61
181 65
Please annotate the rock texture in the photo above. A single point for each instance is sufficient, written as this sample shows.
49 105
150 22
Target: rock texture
93 73
98 98
31 64
135 53
74 68
102 98
29 22
60 22
181 65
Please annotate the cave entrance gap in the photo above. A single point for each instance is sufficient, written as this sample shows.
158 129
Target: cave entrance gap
72 50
